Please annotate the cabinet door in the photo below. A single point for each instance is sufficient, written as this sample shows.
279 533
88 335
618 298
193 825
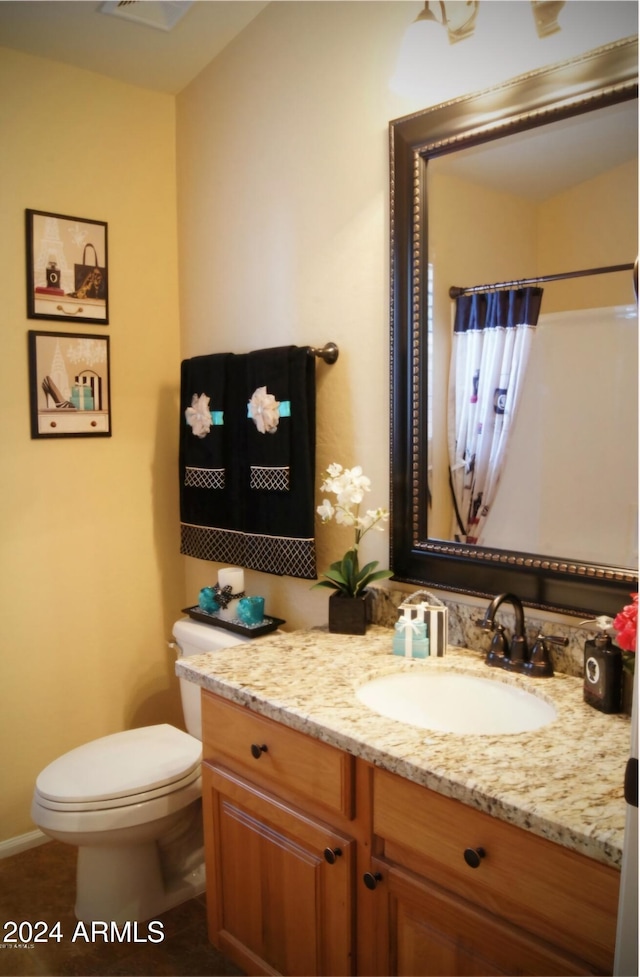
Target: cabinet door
275 903
421 929
557 895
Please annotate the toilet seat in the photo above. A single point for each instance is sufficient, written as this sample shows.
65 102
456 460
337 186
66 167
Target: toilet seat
118 802
120 770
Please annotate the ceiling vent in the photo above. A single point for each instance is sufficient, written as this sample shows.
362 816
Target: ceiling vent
161 14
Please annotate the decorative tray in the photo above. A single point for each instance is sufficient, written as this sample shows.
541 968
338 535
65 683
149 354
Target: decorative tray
267 625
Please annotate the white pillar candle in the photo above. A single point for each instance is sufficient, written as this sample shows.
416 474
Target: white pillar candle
230 577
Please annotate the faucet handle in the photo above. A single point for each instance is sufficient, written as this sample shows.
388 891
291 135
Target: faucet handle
555 639
539 664
498 653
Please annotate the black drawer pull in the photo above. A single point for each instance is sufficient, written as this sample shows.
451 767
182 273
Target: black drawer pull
331 854
473 856
371 879
257 751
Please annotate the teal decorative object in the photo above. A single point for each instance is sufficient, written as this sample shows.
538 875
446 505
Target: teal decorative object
207 600
251 610
410 639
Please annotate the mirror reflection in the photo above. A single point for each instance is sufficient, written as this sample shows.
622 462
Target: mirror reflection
525 190
539 203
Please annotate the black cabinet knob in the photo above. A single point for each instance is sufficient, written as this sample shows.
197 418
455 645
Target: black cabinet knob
473 856
331 854
371 879
257 751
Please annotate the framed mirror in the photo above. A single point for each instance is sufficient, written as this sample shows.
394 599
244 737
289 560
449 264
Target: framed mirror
518 186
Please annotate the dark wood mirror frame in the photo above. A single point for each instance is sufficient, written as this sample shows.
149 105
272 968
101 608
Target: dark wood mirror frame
595 80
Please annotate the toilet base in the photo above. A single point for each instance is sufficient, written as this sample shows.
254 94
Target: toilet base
125 883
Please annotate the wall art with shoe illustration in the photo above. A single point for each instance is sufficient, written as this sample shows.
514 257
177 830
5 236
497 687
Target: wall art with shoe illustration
67 274
69 385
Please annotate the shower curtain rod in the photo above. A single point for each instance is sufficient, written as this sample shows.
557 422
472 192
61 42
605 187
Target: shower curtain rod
456 290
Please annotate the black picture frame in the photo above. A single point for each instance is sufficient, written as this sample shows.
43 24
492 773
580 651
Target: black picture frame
69 385
67 268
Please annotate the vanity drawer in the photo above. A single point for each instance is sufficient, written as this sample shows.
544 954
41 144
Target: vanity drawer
554 893
276 757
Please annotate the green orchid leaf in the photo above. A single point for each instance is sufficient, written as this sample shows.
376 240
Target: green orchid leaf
348 571
327 583
366 570
336 575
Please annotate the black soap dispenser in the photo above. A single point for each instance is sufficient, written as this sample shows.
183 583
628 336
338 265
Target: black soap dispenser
602 670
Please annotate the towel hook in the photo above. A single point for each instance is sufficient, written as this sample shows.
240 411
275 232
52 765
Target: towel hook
329 352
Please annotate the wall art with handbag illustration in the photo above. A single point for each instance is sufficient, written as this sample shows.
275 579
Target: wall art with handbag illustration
67 269
69 385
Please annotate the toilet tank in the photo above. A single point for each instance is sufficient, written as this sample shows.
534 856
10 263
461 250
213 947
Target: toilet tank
193 638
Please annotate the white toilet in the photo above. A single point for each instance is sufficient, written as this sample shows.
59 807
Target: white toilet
131 802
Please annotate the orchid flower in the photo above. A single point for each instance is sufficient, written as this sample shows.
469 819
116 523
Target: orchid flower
350 485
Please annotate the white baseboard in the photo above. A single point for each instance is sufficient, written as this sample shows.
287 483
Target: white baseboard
13 846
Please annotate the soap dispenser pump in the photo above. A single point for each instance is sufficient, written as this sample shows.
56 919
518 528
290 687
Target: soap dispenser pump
602 669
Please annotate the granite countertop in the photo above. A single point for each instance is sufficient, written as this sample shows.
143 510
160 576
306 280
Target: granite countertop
563 782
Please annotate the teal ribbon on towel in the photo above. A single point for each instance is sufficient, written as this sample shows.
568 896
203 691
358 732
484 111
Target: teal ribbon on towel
284 409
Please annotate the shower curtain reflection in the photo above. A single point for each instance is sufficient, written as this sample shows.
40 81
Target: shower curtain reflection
492 338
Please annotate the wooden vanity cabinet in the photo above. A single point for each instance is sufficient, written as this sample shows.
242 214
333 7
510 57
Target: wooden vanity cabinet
280 864
424 929
321 864
523 906
277 904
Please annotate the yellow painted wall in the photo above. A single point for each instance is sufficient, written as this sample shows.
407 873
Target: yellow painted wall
591 225
90 576
283 206
283 227
276 160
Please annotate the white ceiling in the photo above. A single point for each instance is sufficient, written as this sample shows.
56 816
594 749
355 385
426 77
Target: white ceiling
76 33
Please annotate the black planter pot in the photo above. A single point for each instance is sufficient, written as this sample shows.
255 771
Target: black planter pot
349 615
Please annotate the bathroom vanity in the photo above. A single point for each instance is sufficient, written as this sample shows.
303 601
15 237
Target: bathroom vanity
341 842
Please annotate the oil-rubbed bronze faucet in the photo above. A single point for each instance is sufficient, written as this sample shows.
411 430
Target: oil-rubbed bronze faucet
513 655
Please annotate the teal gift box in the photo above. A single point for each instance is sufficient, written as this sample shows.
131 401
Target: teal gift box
410 639
81 396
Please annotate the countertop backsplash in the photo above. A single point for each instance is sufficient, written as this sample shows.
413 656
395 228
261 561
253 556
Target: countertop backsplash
464 632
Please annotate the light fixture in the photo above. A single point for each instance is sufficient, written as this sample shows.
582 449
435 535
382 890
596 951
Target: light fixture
499 39
458 16
545 16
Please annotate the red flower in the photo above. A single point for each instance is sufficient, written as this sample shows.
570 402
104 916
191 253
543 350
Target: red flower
625 624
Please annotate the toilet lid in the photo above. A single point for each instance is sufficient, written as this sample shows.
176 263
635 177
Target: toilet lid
121 765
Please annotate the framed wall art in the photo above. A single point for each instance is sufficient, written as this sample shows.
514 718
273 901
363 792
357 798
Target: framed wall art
69 385
67 268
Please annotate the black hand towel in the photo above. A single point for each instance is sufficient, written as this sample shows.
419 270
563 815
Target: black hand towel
280 461
204 490
262 517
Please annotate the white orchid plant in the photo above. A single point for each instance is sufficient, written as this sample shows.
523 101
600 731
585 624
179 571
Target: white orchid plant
349 486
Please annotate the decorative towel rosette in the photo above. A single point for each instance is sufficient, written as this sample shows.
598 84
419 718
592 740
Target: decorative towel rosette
199 416
264 410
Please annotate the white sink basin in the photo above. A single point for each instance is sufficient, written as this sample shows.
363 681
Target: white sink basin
453 702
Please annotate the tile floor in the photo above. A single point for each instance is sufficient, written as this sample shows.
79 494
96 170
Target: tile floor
39 884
